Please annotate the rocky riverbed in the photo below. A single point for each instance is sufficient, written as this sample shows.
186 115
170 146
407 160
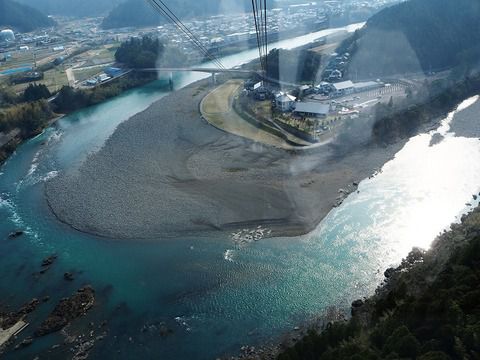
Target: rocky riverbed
165 172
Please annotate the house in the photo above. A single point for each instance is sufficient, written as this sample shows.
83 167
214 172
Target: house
323 88
343 88
305 90
311 108
284 102
335 75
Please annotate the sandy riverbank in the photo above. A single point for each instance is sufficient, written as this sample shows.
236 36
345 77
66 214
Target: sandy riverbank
165 171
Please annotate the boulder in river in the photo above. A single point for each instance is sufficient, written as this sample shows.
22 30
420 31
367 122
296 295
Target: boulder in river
68 276
67 310
49 260
15 234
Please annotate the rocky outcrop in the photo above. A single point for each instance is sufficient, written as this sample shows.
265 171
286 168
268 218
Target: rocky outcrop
68 276
67 310
15 234
9 319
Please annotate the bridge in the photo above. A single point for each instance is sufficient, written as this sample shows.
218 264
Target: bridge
203 69
213 71
261 74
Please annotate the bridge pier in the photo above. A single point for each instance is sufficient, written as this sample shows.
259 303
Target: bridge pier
170 80
214 78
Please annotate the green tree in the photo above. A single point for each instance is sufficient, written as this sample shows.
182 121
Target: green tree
36 92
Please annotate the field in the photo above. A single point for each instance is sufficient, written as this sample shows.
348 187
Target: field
82 74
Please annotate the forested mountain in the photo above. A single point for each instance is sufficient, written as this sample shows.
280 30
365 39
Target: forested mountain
22 17
140 13
76 8
417 35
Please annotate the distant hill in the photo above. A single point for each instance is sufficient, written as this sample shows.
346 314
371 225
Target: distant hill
414 36
138 13
74 8
132 13
22 17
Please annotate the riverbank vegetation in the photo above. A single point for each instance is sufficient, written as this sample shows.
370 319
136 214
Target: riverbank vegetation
69 99
148 52
27 112
433 100
427 308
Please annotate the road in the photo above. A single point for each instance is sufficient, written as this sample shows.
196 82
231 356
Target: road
70 76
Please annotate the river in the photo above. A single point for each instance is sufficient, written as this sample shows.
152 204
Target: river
216 296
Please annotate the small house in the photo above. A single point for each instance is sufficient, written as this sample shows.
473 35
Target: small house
284 102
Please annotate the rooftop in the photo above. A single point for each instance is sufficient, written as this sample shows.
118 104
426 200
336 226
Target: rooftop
312 108
343 85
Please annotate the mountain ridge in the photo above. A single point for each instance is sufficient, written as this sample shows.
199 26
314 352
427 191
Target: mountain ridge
13 14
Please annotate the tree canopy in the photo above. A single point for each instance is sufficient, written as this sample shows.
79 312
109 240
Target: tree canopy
428 308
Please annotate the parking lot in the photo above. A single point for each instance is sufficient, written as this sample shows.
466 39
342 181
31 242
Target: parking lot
364 100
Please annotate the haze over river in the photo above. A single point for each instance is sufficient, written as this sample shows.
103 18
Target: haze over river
214 295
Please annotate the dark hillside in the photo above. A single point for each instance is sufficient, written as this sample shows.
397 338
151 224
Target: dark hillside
22 17
417 35
74 8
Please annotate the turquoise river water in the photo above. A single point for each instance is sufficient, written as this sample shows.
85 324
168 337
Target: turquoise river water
214 295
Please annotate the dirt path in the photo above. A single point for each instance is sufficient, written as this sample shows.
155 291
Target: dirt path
217 109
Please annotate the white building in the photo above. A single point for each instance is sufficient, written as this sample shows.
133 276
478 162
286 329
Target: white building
343 88
284 102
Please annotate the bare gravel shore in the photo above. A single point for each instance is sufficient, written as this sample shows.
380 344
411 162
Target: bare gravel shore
165 172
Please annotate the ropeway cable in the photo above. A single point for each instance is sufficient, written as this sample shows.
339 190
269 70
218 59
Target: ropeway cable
186 31
166 12
254 11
